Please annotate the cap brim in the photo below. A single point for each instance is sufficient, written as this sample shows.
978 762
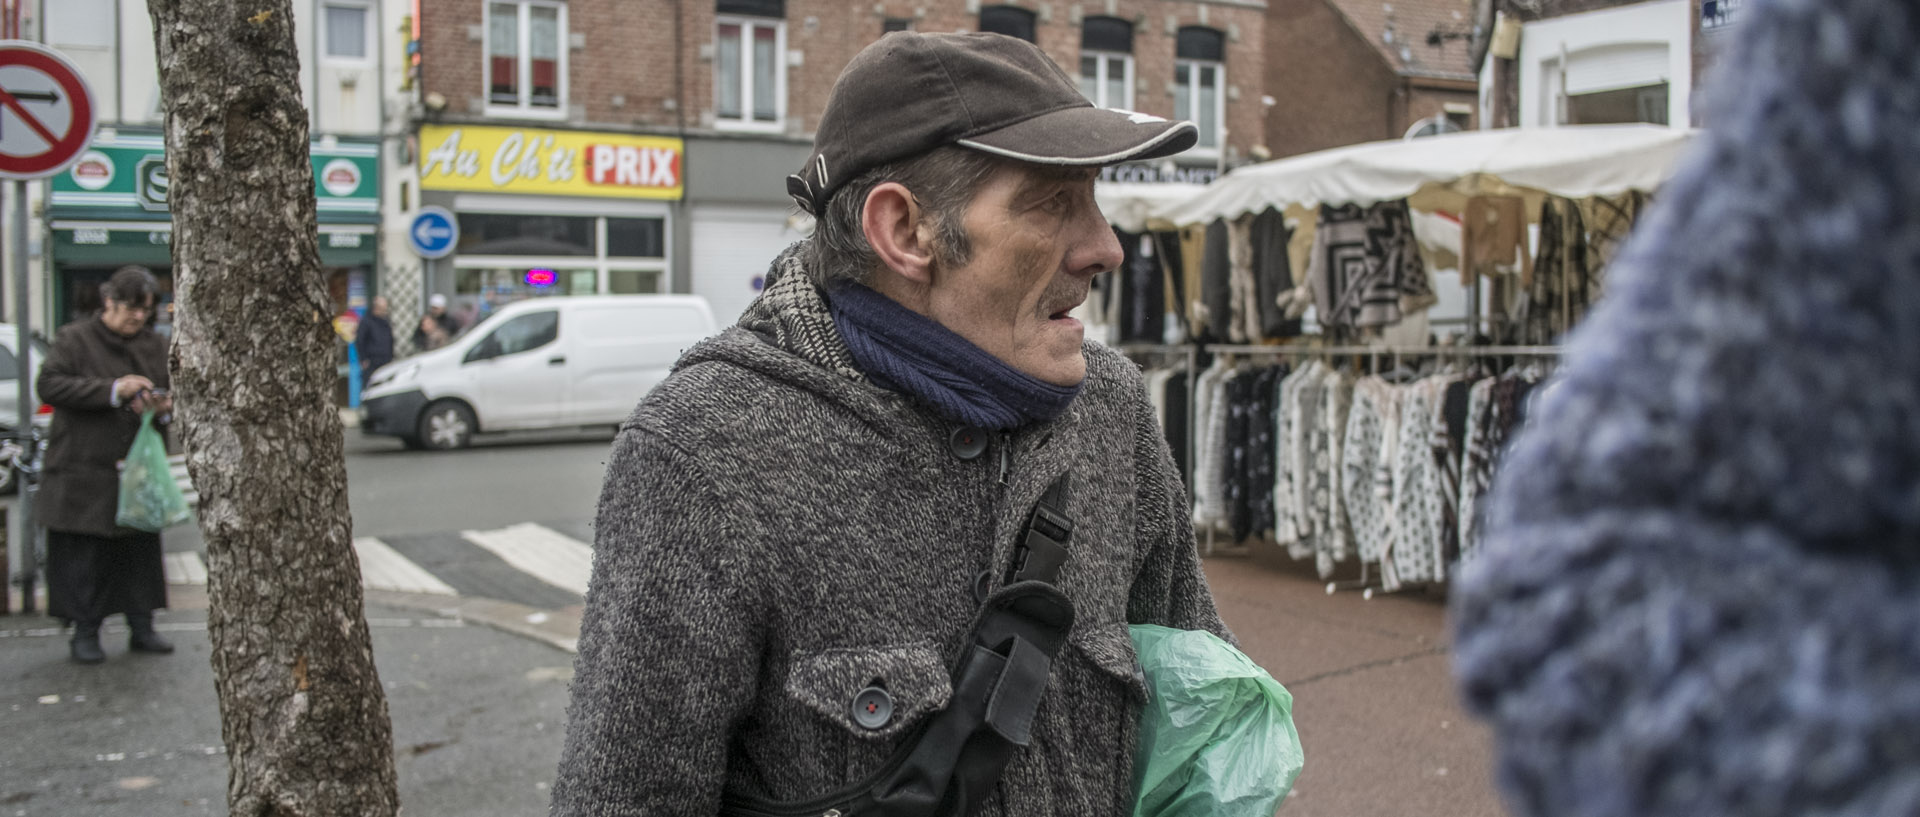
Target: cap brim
1087 136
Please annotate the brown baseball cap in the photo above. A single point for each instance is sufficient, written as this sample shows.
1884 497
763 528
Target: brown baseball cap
909 93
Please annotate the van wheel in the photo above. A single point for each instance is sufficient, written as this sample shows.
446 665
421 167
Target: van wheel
445 426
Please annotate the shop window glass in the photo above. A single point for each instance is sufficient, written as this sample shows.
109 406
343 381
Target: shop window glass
516 234
633 282
636 237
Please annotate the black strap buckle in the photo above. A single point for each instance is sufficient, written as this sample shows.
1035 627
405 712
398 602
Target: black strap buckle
1041 548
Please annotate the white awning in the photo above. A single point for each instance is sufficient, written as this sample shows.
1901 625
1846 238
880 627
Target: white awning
1440 173
1127 204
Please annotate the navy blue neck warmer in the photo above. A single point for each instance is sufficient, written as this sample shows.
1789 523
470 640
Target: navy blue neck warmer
905 351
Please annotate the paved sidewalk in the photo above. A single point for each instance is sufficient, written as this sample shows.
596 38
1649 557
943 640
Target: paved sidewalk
478 718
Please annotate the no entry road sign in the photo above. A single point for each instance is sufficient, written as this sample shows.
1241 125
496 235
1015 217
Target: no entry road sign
47 114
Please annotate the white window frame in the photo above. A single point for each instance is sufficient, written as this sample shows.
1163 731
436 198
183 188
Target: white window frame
1101 79
601 263
746 122
1194 67
367 46
524 109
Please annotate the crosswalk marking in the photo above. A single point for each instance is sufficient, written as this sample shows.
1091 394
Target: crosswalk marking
383 568
550 567
184 568
541 552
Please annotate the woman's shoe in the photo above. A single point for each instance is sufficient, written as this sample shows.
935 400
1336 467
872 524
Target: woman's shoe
144 639
85 646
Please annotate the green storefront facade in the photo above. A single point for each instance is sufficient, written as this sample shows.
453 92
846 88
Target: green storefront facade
110 209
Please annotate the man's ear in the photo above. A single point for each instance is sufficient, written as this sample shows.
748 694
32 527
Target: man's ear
892 224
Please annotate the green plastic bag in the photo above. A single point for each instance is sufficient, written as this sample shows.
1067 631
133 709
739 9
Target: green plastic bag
1217 738
149 498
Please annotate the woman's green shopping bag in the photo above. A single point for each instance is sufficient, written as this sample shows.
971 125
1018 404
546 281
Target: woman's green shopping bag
1217 738
149 498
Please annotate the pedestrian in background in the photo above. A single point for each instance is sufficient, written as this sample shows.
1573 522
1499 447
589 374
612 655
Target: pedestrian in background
437 326
801 525
101 374
1698 595
374 339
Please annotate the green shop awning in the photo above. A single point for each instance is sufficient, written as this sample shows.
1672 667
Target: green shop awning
109 243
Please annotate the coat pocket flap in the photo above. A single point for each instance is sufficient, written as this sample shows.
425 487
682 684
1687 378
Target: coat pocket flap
1110 648
872 692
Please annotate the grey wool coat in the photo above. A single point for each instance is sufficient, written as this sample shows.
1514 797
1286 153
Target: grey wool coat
777 534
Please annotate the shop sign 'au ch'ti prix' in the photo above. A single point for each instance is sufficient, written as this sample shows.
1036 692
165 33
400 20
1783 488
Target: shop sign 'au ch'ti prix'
550 162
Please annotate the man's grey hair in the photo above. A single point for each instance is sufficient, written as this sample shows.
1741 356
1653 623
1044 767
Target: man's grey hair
943 181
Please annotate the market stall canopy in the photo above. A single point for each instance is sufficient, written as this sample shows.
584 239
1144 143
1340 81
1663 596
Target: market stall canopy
1439 173
1127 205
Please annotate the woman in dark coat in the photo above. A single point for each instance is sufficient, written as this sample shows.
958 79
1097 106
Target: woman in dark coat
102 372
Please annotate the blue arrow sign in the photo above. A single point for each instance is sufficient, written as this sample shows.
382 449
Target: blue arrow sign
433 232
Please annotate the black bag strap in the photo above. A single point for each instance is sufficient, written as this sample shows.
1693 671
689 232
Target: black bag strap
953 761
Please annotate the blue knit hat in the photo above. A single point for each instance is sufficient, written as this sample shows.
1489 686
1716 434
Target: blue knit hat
1700 592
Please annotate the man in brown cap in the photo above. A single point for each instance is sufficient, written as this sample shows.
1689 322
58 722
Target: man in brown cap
874 550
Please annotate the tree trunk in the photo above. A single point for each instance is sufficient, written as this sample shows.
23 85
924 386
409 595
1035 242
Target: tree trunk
301 707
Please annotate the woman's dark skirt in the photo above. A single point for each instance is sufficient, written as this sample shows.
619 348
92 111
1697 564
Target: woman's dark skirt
92 577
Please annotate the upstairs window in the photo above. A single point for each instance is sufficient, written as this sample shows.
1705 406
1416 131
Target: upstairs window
346 26
1199 76
1106 62
526 57
750 84
1008 20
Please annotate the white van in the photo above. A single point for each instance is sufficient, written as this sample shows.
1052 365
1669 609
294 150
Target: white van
536 364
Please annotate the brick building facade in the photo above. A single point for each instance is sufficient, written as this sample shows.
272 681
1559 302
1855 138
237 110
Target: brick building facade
1342 72
726 95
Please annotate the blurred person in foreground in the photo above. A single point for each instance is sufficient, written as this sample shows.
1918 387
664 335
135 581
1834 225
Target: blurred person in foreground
1700 595
801 524
101 374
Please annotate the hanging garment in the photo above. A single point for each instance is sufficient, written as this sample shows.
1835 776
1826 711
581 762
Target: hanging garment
1245 288
1288 472
1216 284
1171 263
1176 428
1261 430
1416 546
1309 401
1476 464
1234 510
1448 442
1334 532
1210 471
1143 313
1608 219
1366 267
1203 454
1368 507
1556 296
1193 249
1273 273
1493 238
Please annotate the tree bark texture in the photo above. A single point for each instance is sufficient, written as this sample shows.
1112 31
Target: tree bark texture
301 706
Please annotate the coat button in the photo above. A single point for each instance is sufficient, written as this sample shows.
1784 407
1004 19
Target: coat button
872 708
967 442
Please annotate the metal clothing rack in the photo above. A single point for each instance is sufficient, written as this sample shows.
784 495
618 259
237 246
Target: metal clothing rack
1303 350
